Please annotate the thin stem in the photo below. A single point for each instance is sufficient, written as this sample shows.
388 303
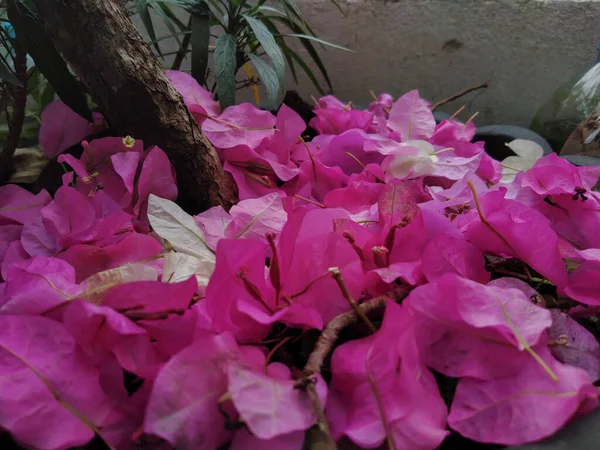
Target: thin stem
320 205
280 344
460 94
337 276
484 220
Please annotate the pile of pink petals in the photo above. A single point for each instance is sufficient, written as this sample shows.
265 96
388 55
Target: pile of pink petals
126 320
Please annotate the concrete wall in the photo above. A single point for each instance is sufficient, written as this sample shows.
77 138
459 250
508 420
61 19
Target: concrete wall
528 47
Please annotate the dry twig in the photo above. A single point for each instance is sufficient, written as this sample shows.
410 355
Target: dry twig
324 346
461 93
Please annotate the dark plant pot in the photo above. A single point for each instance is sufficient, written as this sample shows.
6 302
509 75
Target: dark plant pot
582 160
497 136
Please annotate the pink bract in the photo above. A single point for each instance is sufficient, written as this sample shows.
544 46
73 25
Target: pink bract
126 320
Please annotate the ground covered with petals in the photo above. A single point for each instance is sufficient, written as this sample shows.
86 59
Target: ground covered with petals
127 321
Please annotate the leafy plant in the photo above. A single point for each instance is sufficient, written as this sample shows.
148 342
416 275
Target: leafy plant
243 33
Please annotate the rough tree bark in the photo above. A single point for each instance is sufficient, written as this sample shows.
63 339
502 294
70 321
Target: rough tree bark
126 81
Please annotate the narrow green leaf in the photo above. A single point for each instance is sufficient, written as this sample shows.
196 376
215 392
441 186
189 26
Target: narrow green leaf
142 9
270 46
47 96
225 66
200 41
269 79
310 49
47 58
33 84
170 36
290 63
7 74
168 22
320 41
305 68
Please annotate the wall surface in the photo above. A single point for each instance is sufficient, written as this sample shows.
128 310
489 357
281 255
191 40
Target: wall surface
527 47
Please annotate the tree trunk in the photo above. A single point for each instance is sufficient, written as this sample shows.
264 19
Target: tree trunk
124 78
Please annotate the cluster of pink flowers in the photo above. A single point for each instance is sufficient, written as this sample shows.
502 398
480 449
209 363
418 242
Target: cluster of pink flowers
126 319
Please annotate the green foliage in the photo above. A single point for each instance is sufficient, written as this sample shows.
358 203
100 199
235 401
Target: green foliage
243 33
257 30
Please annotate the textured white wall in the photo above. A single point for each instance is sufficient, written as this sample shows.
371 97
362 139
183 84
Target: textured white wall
443 46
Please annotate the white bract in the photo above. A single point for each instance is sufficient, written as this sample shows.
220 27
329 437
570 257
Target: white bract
527 153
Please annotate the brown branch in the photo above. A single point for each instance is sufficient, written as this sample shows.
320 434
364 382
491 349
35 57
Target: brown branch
15 123
320 437
484 85
129 86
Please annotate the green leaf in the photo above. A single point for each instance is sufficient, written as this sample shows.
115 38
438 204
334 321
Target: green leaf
47 96
168 22
7 74
310 49
47 58
305 68
270 46
33 84
144 13
225 67
320 41
269 78
200 41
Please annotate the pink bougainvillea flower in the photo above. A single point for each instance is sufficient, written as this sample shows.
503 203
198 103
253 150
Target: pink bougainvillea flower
448 131
356 197
8 234
526 407
101 332
381 390
554 175
199 101
62 128
51 396
242 124
71 219
239 275
514 229
156 177
346 151
184 405
381 106
573 344
255 218
250 184
151 296
411 116
245 440
15 253
213 222
308 247
573 217
272 406
318 178
277 150
89 259
37 241
96 170
251 301
489 169
334 117
584 282
478 330
18 206
37 285
444 254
